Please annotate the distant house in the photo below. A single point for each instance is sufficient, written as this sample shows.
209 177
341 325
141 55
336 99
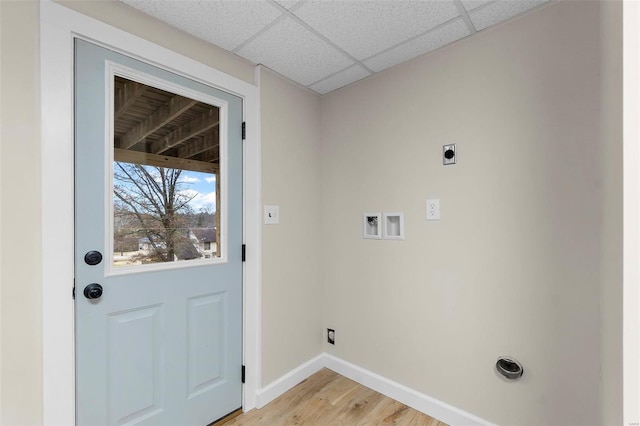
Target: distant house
200 243
184 250
204 239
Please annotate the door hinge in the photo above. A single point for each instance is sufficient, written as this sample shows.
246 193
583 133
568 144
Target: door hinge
73 292
243 372
244 252
244 130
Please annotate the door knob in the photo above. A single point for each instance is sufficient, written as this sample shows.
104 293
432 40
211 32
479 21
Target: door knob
93 291
93 257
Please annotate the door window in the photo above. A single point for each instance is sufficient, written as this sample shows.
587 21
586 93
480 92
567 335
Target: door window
166 190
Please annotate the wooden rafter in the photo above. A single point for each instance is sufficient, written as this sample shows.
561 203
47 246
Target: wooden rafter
136 157
196 147
131 91
212 156
171 109
201 124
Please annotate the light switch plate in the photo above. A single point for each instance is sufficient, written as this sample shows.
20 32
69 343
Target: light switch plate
433 209
271 215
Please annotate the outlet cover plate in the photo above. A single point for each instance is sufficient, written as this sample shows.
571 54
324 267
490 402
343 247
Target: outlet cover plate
433 209
448 161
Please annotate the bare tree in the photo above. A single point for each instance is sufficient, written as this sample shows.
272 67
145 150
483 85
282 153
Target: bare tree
153 198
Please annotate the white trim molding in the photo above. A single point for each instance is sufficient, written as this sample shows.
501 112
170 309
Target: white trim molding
59 26
401 393
289 380
631 213
410 397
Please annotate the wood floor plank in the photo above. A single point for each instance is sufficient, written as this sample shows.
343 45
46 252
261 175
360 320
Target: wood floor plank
329 399
321 408
385 413
349 407
416 418
337 390
282 407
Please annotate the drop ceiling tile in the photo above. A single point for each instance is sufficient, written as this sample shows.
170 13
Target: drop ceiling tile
419 46
288 4
364 28
224 23
292 50
340 79
501 11
474 4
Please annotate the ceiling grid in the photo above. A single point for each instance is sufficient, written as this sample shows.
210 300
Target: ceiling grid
465 16
328 44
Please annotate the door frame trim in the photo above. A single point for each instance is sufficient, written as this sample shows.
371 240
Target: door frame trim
58 28
631 214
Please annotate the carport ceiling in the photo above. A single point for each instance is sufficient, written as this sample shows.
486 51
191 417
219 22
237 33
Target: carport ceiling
155 127
328 44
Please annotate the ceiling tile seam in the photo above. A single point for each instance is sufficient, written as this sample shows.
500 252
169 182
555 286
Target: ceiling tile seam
259 33
283 9
289 79
465 16
292 8
409 40
336 73
328 41
482 6
542 5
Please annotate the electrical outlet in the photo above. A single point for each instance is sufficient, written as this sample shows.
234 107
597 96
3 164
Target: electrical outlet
433 209
331 336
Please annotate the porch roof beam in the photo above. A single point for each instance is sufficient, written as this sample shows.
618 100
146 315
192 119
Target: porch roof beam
206 143
206 121
131 91
171 109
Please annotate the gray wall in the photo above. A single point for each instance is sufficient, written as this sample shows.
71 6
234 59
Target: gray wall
612 233
515 265
20 264
291 251
526 258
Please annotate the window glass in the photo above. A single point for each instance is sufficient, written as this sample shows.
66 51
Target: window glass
166 188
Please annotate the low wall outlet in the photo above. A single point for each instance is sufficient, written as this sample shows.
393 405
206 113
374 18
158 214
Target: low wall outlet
331 336
271 215
433 209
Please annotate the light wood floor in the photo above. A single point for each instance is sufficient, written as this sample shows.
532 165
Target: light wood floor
327 399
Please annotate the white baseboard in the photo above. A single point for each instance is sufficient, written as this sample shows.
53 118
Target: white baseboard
289 380
412 398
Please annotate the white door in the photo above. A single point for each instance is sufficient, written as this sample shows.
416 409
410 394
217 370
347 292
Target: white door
158 273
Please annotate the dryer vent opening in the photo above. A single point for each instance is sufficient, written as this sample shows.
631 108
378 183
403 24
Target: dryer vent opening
509 368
